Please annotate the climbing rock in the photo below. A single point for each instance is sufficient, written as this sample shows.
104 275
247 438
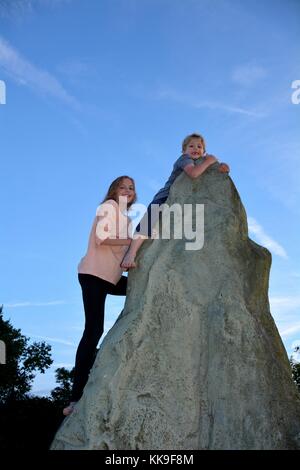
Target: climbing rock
195 360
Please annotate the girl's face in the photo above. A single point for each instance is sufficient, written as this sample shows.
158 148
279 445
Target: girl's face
126 189
194 149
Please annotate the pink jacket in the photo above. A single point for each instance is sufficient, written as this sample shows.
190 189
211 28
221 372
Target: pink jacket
104 260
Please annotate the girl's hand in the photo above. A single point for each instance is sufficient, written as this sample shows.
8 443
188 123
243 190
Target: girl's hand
224 168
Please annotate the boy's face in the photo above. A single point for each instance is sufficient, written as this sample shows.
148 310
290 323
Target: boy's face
194 149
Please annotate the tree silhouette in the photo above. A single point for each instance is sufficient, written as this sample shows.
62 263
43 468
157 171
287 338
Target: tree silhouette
23 361
61 395
296 368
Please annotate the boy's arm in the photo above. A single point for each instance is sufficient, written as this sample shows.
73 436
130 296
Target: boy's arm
193 171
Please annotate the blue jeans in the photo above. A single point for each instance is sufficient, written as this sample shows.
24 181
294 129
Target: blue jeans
150 217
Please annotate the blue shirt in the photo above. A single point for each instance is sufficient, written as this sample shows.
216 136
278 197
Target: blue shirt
178 167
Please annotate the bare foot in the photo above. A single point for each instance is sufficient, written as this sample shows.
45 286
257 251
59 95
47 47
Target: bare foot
69 409
128 261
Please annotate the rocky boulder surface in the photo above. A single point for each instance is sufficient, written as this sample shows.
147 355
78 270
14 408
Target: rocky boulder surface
195 360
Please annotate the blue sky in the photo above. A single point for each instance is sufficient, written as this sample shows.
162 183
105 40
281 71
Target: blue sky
100 88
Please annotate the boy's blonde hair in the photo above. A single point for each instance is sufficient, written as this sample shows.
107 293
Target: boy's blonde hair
189 138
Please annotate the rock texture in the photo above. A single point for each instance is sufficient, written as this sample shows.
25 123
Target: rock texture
195 360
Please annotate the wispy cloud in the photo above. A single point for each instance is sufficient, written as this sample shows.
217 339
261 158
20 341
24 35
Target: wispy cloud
24 73
17 8
295 274
248 74
279 170
78 69
34 304
260 235
198 103
67 365
52 340
291 330
286 303
76 327
285 311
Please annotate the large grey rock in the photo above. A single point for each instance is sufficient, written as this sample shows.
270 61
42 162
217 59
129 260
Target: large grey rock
195 361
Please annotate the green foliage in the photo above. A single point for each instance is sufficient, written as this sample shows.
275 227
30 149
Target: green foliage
22 362
61 395
26 421
296 369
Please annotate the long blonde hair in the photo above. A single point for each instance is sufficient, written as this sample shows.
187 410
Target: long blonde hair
113 190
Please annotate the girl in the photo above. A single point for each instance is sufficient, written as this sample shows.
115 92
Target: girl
99 274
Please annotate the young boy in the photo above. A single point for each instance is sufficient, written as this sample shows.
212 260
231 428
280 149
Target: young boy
193 161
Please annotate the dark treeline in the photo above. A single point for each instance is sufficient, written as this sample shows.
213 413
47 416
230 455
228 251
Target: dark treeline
28 422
